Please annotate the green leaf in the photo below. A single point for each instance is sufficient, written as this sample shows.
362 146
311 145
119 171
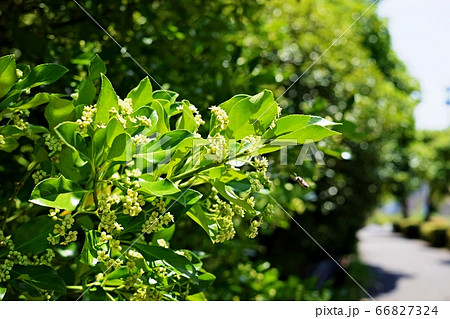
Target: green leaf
86 92
37 100
96 68
205 220
317 120
162 123
58 110
41 75
68 132
228 105
252 115
162 187
310 133
9 145
162 148
165 233
184 202
113 129
91 245
142 94
106 101
205 280
119 147
31 237
131 224
41 277
186 121
178 263
58 193
229 193
7 73
287 124
165 95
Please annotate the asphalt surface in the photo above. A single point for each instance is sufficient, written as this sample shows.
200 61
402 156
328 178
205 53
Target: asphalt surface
404 269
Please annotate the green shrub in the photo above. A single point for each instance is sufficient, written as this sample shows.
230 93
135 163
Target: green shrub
434 232
410 228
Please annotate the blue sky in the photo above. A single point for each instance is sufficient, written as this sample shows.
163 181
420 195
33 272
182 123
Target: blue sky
420 31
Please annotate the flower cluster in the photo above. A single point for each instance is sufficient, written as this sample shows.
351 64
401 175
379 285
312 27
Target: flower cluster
126 106
157 221
258 179
109 262
224 217
252 143
108 215
132 203
217 148
19 122
38 176
62 230
2 140
87 117
53 143
252 232
14 257
147 293
221 117
144 120
140 139
134 280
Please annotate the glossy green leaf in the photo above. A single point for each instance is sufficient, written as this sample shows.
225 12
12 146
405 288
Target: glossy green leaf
86 92
186 121
69 133
96 67
38 99
184 202
167 95
142 94
178 263
252 115
113 129
41 75
162 187
9 145
106 101
205 220
7 73
58 193
310 133
58 110
31 237
162 124
229 193
41 277
165 233
287 124
121 148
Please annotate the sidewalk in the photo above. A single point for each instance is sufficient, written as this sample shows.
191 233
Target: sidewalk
404 269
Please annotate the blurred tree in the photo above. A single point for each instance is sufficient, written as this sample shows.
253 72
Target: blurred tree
430 154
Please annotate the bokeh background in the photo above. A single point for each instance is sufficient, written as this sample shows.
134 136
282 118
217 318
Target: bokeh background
382 170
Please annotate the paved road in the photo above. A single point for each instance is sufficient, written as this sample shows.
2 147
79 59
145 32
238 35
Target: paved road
404 269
